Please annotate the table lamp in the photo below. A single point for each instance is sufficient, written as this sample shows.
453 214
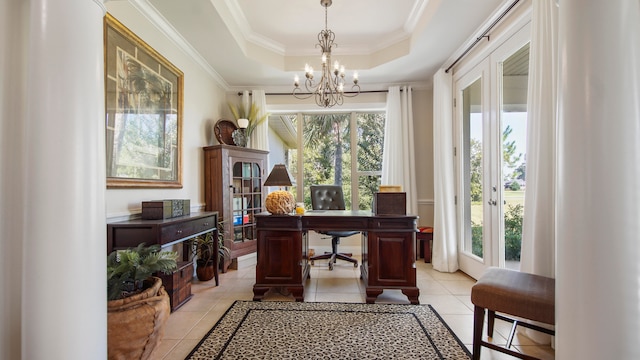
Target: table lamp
280 201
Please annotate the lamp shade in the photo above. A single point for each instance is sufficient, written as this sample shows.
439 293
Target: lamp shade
279 176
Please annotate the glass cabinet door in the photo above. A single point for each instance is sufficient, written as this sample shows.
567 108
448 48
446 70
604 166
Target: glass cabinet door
247 199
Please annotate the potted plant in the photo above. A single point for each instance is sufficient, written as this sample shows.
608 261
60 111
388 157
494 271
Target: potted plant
204 247
138 306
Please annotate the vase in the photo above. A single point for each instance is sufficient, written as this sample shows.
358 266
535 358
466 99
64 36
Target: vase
205 272
239 137
135 324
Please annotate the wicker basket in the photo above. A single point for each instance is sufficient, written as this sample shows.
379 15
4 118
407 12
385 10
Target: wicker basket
135 325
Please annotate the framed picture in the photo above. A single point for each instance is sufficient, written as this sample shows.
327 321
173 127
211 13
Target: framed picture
143 98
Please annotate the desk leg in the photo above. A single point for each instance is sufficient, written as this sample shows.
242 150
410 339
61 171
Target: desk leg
372 294
297 292
412 294
259 291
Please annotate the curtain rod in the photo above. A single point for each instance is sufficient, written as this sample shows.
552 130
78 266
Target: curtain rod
484 35
346 92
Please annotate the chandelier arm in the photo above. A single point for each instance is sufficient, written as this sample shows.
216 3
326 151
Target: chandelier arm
355 91
298 94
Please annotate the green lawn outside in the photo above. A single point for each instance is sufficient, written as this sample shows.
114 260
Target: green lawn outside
511 198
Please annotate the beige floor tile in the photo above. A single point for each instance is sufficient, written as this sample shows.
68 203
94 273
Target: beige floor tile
446 304
340 297
180 351
180 323
431 287
165 347
341 285
466 300
458 287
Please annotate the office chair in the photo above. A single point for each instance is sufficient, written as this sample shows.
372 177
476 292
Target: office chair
330 197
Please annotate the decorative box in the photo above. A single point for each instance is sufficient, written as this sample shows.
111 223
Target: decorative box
178 284
390 203
165 209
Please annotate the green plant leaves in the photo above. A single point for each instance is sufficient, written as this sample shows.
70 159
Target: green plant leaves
134 265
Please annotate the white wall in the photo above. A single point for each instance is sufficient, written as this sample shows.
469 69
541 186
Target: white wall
422 102
204 103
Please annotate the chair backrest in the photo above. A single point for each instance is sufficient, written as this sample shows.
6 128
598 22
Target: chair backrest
327 197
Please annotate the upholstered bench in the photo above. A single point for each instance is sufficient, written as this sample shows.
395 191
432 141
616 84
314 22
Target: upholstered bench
522 295
424 238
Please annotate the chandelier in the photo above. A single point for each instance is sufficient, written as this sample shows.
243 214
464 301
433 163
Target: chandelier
329 90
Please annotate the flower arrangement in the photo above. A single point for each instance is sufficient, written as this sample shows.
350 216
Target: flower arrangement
239 112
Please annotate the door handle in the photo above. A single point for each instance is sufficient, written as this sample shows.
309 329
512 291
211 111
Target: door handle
492 202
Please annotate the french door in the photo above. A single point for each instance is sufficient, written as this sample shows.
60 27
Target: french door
490 107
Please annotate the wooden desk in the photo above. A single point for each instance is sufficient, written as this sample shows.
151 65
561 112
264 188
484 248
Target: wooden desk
388 250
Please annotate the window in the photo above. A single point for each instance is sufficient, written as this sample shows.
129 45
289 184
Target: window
339 148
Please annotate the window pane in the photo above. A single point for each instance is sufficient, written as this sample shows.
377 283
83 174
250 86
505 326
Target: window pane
326 153
513 116
370 141
473 138
367 186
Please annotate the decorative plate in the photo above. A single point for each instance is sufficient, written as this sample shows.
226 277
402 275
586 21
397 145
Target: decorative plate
223 130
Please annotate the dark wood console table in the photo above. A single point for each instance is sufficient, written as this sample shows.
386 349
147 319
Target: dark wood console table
388 250
166 232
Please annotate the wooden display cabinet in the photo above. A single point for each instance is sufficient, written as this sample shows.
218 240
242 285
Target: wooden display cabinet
233 178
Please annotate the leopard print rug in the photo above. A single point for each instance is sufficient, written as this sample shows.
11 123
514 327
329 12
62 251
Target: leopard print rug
297 330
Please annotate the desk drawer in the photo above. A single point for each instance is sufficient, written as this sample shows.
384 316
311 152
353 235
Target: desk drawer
187 228
394 224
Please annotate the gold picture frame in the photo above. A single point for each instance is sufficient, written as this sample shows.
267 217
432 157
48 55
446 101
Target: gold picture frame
143 103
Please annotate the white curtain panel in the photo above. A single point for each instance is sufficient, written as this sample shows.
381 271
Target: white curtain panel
398 159
445 250
538 229
260 137
598 192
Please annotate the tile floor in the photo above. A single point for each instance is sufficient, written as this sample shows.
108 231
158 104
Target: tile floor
449 294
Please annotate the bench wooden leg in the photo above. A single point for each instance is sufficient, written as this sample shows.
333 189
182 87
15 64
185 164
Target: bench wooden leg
478 324
491 320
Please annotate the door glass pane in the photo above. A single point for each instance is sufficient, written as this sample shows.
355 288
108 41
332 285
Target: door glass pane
473 172
513 114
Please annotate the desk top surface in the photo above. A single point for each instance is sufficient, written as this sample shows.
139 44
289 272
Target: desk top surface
338 214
